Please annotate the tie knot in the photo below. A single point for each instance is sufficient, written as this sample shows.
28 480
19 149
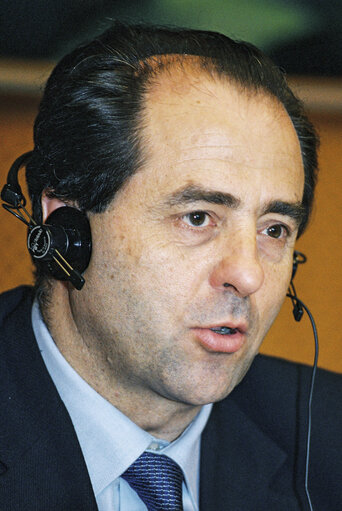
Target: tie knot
157 479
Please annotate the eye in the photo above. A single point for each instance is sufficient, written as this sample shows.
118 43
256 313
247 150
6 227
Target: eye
197 219
277 231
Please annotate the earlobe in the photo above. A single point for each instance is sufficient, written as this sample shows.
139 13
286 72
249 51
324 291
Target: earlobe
50 204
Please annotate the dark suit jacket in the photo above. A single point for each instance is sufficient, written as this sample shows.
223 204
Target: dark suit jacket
253 447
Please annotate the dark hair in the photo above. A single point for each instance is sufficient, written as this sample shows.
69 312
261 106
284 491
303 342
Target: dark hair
87 136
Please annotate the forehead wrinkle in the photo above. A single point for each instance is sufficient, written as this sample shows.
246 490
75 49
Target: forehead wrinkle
223 152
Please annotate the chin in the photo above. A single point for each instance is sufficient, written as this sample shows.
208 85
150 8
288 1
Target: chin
220 388
200 382
204 393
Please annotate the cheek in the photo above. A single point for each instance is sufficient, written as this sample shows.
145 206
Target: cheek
166 267
273 292
170 278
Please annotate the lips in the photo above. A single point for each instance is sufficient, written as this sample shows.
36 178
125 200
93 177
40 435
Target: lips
227 338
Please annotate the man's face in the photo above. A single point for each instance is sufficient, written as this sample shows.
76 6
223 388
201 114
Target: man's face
191 262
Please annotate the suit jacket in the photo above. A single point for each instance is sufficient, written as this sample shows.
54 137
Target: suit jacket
252 449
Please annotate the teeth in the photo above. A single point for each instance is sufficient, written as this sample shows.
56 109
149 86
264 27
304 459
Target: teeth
224 330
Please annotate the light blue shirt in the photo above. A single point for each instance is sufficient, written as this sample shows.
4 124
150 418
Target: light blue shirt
110 441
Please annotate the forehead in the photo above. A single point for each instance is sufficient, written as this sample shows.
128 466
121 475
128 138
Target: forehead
201 130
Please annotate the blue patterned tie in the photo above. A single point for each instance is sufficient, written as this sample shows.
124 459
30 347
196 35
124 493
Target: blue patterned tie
157 479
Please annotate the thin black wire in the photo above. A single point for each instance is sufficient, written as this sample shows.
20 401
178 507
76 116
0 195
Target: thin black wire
296 300
15 211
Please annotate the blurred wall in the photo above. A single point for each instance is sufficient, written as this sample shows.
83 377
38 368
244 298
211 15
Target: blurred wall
318 283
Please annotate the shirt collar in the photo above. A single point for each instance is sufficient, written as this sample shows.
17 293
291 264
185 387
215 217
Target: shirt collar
109 440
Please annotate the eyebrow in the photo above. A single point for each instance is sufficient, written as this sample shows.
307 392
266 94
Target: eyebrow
193 193
294 210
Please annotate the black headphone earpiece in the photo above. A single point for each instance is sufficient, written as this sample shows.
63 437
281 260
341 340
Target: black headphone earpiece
62 245
298 258
298 311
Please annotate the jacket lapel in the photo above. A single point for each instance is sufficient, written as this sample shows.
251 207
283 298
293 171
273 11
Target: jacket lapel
241 466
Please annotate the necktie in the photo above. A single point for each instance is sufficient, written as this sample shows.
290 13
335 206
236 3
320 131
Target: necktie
157 479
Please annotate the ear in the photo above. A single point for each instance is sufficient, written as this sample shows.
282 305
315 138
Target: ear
49 204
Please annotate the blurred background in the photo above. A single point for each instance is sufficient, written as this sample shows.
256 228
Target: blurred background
304 37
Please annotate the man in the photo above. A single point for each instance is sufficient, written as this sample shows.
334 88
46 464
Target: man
195 166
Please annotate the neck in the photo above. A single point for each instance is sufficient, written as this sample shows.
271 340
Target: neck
159 415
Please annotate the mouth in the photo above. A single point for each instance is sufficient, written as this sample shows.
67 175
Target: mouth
221 338
224 330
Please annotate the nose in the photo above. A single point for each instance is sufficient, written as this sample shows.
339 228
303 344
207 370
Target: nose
238 267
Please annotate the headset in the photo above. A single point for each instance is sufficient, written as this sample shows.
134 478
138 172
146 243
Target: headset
63 246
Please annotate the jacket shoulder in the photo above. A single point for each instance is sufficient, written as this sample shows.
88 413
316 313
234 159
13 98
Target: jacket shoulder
12 299
281 386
